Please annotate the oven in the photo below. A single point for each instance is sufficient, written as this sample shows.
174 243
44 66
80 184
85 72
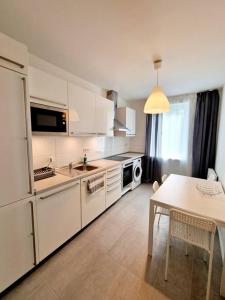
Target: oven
49 120
127 177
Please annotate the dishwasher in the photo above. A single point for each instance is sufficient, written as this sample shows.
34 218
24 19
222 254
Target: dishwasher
92 205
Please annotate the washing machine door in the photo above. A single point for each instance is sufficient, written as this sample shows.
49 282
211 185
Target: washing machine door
137 172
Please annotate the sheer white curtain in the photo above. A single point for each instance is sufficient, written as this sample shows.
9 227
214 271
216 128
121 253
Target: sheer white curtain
177 134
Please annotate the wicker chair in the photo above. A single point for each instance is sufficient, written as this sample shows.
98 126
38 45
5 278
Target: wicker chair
194 230
159 210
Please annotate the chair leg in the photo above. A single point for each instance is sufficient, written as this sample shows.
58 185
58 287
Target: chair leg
167 257
205 257
210 268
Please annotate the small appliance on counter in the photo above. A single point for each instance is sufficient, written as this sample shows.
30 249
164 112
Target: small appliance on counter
43 173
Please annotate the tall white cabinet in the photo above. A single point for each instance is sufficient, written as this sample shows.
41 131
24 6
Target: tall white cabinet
17 211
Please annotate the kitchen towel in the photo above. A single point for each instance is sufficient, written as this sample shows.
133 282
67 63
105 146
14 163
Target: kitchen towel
94 184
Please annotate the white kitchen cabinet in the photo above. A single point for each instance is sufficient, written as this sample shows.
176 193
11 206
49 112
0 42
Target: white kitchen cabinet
58 217
46 88
15 135
17 241
127 116
13 55
104 116
81 111
92 205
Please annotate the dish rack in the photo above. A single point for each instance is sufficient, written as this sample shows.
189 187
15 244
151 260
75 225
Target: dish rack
43 173
208 189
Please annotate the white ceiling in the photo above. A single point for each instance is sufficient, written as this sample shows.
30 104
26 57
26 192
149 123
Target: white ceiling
112 43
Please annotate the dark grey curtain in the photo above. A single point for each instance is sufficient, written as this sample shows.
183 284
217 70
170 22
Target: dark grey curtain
205 130
151 163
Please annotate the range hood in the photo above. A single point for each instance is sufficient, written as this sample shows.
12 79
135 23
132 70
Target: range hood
118 126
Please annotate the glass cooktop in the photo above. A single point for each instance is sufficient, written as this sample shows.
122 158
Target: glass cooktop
117 158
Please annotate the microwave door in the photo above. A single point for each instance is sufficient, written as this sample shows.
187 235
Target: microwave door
48 120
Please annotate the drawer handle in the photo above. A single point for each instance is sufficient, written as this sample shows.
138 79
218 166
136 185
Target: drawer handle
12 62
52 194
45 99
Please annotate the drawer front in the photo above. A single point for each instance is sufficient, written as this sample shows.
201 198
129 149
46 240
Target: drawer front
114 179
114 171
113 195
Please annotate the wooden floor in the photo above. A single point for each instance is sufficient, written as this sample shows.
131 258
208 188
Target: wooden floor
109 260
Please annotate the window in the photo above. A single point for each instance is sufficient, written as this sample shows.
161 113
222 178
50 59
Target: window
175 132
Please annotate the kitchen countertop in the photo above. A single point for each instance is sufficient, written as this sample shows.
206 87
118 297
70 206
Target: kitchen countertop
46 184
132 154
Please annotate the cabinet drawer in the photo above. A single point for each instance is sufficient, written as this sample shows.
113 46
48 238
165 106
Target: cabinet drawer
112 172
113 195
58 217
116 178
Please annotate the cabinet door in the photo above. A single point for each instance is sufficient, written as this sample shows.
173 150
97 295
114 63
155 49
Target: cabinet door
130 120
15 181
104 116
58 217
13 55
17 246
81 111
92 204
46 88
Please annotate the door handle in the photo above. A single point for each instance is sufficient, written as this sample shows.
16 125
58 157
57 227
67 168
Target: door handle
33 232
26 138
49 100
12 62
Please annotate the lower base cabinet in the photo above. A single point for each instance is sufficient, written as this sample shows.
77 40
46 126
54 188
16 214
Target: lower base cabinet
58 217
17 244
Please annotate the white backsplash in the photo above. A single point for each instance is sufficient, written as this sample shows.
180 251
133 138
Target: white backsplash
66 149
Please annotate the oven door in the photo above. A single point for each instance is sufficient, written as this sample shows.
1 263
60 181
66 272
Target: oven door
127 174
47 119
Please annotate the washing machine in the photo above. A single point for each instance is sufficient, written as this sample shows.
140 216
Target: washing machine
137 172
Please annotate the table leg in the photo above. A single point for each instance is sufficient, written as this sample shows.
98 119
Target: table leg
151 227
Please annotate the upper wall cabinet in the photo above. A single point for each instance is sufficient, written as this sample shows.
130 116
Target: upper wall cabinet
104 116
13 55
46 88
81 111
127 116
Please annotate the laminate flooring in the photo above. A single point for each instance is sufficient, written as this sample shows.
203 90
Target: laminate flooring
108 261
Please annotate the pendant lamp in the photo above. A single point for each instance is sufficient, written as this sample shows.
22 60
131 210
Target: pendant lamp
157 101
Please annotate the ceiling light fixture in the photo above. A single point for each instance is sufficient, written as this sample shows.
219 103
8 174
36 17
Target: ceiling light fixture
157 101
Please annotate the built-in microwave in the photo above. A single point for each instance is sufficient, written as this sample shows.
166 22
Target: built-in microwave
48 120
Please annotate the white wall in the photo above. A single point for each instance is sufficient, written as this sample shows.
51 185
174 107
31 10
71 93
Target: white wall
220 158
137 143
67 149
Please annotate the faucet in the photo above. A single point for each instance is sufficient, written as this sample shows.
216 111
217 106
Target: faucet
70 166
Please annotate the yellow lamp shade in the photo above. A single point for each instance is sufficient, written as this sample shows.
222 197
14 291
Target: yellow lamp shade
157 102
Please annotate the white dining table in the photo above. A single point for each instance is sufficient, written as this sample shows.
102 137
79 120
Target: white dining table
181 192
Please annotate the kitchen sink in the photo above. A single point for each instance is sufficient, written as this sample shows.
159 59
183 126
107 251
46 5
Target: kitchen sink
85 168
76 170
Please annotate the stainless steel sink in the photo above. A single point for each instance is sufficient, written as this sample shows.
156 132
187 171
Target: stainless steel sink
85 168
76 171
